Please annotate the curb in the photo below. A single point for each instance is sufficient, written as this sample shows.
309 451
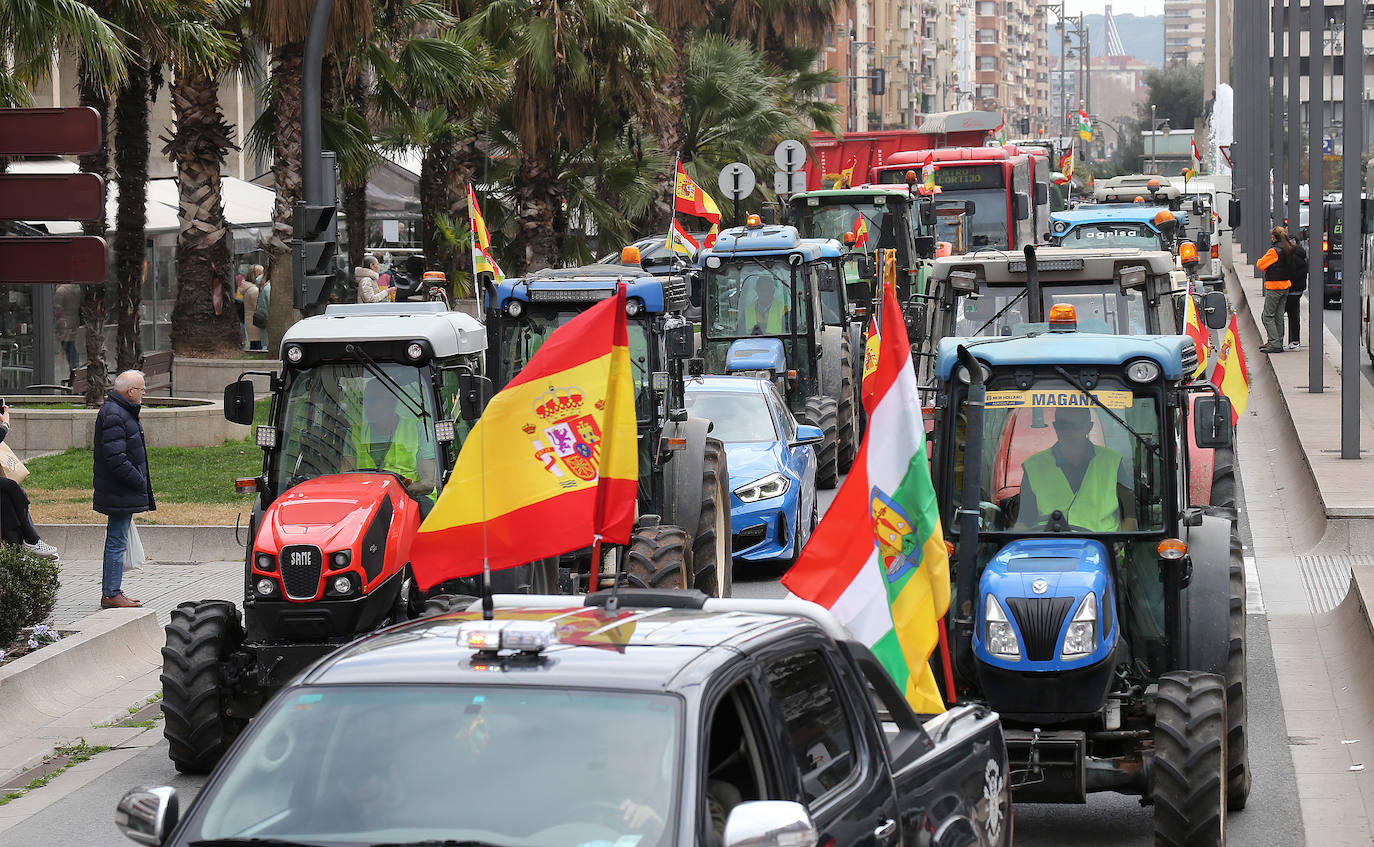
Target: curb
161 543
46 686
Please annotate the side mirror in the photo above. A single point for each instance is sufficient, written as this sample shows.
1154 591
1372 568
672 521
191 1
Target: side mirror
678 342
929 215
1233 213
1204 241
474 392
768 214
925 247
770 823
1042 193
1212 422
148 814
867 265
970 208
238 402
1214 311
807 434
916 323
1197 205
1021 205
857 293
696 280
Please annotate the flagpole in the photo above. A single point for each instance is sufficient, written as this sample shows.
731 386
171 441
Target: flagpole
677 163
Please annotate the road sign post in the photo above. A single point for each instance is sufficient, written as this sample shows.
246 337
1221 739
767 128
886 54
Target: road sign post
737 182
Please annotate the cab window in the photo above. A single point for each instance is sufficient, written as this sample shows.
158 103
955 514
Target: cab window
734 765
819 734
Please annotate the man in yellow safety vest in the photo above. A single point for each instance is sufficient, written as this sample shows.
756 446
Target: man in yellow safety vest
384 440
1088 484
765 315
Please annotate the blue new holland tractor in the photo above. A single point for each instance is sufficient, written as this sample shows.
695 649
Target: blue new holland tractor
1096 607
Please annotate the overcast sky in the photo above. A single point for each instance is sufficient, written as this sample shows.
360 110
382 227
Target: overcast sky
1119 7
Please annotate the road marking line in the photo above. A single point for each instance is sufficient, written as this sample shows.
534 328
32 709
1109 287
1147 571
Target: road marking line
1254 598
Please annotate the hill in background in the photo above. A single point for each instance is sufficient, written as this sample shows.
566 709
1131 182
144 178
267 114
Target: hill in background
1142 35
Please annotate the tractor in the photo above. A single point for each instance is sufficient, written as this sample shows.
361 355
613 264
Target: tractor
763 316
682 535
1104 621
365 422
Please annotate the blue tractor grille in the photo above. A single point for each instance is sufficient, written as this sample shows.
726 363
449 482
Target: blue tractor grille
1040 619
300 571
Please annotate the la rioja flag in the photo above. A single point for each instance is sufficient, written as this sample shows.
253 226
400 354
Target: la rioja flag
877 560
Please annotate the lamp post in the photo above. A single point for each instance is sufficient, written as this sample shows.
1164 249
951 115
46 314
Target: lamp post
1156 124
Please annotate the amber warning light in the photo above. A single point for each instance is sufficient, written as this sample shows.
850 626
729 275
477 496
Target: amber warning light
1063 318
1187 253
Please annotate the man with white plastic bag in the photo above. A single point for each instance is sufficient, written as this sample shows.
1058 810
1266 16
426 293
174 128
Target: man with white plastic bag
121 486
134 557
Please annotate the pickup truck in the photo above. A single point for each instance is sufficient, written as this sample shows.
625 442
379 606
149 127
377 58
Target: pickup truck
668 718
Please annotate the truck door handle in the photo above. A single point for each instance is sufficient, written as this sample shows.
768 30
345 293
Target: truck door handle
885 832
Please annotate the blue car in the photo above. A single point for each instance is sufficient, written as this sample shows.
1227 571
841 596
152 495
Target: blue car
772 464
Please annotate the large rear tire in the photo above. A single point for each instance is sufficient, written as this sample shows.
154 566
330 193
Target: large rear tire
712 559
824 413
200 637
1237 745
848 423
656 558
1190 787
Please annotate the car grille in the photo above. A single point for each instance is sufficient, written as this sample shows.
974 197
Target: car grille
300 571
745 539
1039 619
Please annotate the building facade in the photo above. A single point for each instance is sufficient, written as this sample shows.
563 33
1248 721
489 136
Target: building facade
1185 31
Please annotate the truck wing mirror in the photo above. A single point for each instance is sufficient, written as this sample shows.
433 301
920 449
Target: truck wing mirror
238 402
929 215
916 323
1233 213
1214 310
970 208
678 342
1022 205
857 293
1042 193
770 823
925 247
474 392
1212 422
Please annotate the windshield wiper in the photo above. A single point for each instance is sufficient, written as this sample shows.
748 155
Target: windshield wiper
438 842
1012 302
415 408
252 842
1149 444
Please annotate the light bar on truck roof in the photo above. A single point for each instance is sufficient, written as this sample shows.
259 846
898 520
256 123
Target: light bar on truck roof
569 295
497 635
1018 266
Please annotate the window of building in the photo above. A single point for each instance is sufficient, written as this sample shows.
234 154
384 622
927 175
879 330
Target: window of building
987 36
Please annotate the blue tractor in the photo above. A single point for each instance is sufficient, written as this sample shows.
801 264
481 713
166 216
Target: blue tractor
682 533
763 314
1096 607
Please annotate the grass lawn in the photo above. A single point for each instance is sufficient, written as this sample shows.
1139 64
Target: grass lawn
193 485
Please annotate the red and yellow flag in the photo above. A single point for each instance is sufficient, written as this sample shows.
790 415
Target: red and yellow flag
1230 375
482 260
868 388
691 200
1193 328
847 173
552 462
711 236
861 231
681 241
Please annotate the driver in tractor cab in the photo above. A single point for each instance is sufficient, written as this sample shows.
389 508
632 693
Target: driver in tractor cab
384 440
766 314
1087 484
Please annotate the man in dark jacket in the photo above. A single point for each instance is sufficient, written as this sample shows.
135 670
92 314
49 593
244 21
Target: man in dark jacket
122 486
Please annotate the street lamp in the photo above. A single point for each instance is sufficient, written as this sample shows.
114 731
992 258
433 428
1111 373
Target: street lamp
1156 124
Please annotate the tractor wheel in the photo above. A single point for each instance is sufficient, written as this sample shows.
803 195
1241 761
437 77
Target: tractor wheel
712 561
1190 790
656 558
442 604
1237 749
200 638
1223 499
823 412
848 422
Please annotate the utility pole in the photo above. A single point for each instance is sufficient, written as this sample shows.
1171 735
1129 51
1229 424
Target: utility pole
1316 186
1353 73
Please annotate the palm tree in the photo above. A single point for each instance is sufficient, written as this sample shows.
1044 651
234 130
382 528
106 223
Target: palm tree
678 19
775 25
575 61
33 30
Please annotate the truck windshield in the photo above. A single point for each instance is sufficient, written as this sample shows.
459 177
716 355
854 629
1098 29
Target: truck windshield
987 226
522 337
1049 448
750 297
1101 307
835 219
453 764
340 418
1100 235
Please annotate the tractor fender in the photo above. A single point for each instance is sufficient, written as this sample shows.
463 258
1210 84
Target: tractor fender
1206 602
1201 462
683 473
829 339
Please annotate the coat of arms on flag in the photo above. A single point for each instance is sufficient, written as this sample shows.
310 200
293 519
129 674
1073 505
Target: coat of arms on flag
574 439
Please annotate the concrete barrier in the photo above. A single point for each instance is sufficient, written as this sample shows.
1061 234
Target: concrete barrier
206 378
162 543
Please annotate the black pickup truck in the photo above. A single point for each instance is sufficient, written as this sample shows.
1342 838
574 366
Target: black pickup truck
673 720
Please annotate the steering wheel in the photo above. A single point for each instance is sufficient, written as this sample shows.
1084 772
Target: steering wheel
1058 527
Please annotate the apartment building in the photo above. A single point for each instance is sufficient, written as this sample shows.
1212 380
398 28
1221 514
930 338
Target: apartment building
1011 55
1185 31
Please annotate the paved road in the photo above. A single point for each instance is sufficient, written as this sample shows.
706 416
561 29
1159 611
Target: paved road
84 817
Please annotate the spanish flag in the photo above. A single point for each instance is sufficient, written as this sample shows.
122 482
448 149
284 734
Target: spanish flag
1230 375
482 261
847 173
1193 328
861 231
711 236
691 200
552 463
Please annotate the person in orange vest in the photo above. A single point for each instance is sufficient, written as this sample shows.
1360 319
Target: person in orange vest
1282 263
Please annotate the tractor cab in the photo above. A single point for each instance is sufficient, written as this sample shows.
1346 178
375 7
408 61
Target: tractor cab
763 315
1095 604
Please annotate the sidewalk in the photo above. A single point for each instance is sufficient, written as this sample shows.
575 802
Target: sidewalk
160 585
1311 515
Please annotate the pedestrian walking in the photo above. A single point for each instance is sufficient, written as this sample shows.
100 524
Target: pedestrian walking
1279 265
251 289
122 486
367 279
1293 306
16 525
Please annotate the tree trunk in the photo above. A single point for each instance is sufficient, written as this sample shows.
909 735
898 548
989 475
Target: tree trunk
287 65
130 251
355 212
538 212
204 322
668 122
462 170
434 167
92 93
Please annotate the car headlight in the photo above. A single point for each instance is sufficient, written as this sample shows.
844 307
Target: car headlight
773 485
999 637
1081 638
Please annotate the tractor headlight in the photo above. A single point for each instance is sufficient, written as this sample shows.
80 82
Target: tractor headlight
999 637
266 588
414 351
1142 370
266 562
340 586
1081 638
341 558
634 306
514 308
773 485
295 353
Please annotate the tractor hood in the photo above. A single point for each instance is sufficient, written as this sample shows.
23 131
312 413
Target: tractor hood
756 354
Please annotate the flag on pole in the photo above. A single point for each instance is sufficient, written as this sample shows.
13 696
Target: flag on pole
1197 157
711 236
1193 328
877 560
928 174
1085 126
691 200
861 231
554 451
1065 168
482 261
847 173
681 241
1230 375
869 383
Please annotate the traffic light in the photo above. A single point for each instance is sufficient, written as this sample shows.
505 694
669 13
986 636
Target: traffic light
877 82
313 247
